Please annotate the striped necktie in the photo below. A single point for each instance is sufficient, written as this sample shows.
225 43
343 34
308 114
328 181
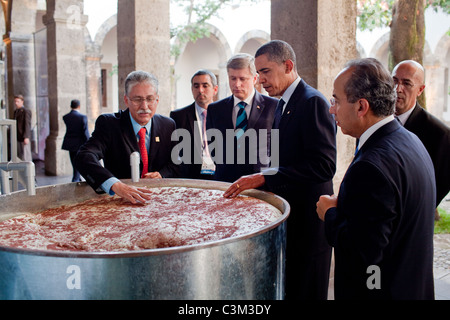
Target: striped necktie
241 120
143 150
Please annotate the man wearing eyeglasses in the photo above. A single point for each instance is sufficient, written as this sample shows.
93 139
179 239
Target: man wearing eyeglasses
117 136
409 77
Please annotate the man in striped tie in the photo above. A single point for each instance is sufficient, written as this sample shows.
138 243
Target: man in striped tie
241 119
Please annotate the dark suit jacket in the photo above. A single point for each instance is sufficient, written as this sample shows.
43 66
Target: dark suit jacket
385 217
23 118
435 136
77 132
307 164
220 117
185 119
113 140
307 151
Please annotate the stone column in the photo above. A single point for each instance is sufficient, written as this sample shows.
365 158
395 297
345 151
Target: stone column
20 68
323 35
143 41
65 24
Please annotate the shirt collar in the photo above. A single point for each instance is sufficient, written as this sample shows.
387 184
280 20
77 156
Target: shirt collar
366 135
249 99
199 110
290 90
137 126
404 116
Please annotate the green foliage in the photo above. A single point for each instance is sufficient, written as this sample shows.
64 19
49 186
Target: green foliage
443 4
374 14
198 13
443 224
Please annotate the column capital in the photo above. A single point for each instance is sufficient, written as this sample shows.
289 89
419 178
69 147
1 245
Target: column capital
72 17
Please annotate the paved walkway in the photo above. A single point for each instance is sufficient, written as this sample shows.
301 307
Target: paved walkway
441 242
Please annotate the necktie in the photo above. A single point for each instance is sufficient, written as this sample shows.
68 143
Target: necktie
241 120
357 145
143 150
278 114
204 141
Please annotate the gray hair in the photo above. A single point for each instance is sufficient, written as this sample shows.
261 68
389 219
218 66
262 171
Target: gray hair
204 72
370 80
242 61
278 51
137 77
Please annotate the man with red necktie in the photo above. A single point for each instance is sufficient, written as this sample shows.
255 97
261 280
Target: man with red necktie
117 136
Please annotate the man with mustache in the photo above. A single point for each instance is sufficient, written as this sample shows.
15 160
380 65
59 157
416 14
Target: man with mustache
117 136
193 119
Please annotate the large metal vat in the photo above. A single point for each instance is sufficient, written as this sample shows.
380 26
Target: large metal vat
246 267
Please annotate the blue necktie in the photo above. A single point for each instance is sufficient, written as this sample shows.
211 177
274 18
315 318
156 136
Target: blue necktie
357 145
241 120
278 114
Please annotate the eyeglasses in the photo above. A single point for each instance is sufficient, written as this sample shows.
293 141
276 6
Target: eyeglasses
137 101
405 84
332 101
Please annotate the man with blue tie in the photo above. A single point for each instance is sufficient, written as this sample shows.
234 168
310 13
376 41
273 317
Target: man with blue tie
307 164
246 112
117 136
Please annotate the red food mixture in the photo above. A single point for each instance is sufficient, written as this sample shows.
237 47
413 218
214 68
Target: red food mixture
175 216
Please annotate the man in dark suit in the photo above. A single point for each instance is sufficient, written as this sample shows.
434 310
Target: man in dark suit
307 164
77 134
381 223
409 77
117 136
249 124
193 119
22 115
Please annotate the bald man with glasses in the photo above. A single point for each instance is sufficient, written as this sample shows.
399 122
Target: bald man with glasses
409 78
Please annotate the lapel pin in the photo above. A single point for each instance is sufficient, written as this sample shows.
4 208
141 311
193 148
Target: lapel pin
258 107
157 139
289 112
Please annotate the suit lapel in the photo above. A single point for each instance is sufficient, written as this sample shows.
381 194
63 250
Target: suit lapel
191 118
410 122
292 104
256 111
154 140
228 111
127 130
194 128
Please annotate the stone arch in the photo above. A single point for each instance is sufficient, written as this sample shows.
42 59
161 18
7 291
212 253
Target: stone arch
380 49
104 29
105 45
207 53
251 41
361 53
442 56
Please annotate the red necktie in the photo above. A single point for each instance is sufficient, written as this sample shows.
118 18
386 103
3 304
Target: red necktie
143 151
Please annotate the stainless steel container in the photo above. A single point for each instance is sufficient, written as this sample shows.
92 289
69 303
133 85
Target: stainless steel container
245 267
